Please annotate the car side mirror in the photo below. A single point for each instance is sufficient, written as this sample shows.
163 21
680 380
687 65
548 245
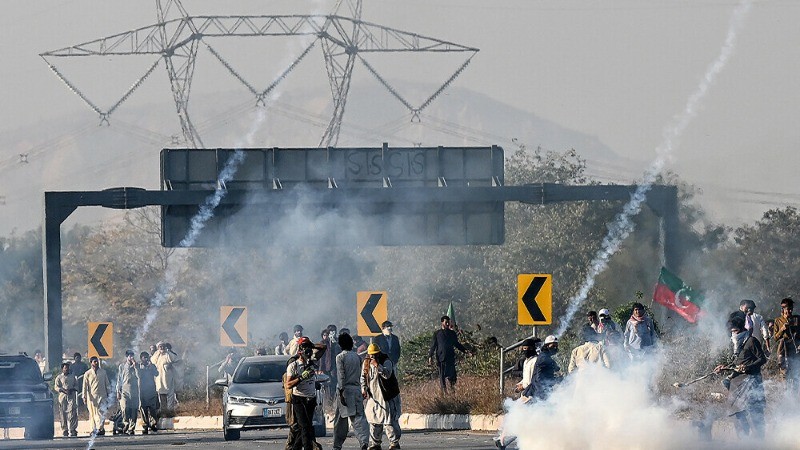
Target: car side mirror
47 376
221 382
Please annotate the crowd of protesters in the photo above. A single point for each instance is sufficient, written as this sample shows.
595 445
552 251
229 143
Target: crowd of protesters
754 340
145 388
363 384
609 345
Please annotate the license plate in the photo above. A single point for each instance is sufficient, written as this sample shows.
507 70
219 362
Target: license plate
14 410
272 412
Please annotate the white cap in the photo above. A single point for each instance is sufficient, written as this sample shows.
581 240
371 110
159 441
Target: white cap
604 312
550 339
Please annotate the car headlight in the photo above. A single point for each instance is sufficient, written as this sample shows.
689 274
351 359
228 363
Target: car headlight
232 399
237 400
40 395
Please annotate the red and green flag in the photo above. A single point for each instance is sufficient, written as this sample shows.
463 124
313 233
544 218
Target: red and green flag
674 294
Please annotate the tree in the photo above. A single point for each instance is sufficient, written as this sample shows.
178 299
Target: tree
21 304
766 257
110 274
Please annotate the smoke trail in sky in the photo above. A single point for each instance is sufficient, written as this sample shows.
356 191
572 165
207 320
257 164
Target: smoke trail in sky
202 217
623 224
197 224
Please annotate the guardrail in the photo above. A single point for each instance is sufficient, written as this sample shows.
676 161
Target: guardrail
503 370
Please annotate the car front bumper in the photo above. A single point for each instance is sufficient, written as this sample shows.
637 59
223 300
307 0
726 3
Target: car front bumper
256 416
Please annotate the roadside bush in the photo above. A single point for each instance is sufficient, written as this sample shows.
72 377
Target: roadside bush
483 361
474 395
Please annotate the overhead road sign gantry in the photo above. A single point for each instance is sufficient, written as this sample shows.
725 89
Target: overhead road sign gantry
59 205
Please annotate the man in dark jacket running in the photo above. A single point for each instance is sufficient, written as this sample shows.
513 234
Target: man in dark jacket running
445 341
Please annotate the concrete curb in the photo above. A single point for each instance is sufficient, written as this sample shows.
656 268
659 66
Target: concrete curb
407 422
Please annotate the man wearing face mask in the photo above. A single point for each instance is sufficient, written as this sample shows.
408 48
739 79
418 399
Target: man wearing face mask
388 342
746 391
546 373
753 323
528 361
300 380
529 351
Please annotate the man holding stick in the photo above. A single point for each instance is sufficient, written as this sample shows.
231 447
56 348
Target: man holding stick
746 390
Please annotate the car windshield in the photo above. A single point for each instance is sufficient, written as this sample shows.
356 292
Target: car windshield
19 371
259 372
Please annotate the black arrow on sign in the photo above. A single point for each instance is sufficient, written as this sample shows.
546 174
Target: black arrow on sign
369 308
95 340
229 326
529 299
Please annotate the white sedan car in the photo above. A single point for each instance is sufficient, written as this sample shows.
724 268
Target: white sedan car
253 398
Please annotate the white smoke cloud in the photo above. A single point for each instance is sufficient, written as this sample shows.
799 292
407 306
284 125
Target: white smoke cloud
600 409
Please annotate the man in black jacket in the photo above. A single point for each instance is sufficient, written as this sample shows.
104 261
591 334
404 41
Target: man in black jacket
445 341
545 371
746 397
388 342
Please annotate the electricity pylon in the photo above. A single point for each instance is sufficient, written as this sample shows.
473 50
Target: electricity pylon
177 36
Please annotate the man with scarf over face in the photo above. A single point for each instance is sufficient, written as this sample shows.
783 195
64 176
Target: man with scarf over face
529 352
545 371
746 397
523 387
640 333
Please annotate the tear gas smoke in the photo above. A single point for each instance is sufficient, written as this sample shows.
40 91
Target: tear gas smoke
619 414
202 217
110 400
623 224
198 222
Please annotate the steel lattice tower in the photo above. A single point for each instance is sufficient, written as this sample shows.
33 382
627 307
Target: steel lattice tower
177 36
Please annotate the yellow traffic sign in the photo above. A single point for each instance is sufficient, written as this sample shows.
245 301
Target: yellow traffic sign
233 326
101 340
534 299
372 309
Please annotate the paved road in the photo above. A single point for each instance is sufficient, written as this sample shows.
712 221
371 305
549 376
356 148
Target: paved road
272 440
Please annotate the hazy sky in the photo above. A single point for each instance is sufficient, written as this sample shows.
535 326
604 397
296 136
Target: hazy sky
619 70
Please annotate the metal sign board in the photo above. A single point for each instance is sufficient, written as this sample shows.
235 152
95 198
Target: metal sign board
535 299
372 309
233 326
346 185
101 340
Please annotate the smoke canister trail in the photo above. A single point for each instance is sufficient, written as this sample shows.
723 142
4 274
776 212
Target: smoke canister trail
623 223
197 224
110 399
